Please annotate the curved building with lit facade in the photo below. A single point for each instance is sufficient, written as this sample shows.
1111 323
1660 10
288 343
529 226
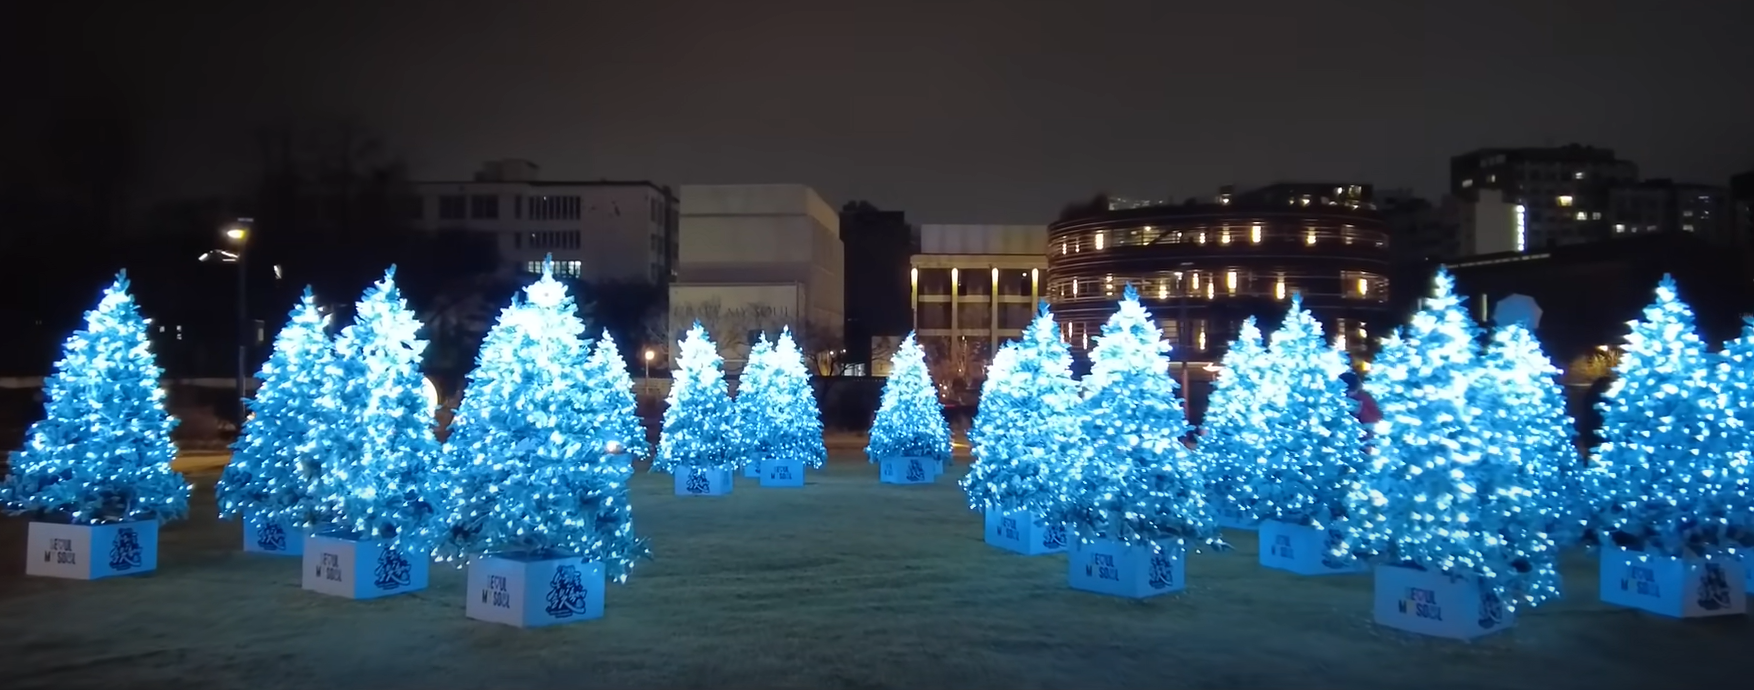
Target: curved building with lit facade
1202 269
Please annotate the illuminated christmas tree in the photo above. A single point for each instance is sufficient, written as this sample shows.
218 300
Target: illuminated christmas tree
1669 477
1434 495
1523 408
277 459
778 406
1233 433
373 476
700 423
527 472
1312 438
1027 419
610 404
910 421
1136 482
102 453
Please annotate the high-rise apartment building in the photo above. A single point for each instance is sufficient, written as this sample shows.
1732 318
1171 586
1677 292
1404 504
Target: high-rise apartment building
1562 192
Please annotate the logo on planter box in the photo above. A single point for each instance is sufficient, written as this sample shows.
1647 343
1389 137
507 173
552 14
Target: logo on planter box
1491 610
1640 580
1420 603
697 483
1282 547
1162 572
566 593
915 472
271 537
61 552
1714 588
1102 567
780 472
1053 537
392 571
125 551
1008 528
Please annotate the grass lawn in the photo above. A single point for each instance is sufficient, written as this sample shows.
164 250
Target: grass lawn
843 584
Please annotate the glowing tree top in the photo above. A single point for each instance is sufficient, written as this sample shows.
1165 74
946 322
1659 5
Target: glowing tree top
1233 434
1028 416
700 423
1136 481
610 403
1313 439
778 406
1433 495
384 446
910 421
526 472
103 451
1667 478
278 457
1523 408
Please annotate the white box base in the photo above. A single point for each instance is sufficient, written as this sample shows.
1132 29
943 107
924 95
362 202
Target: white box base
1303 550
344 566
91 552
274 538
1679 588
1020 532
1134 572
1437 604
702 481
907 470
782 473
534 590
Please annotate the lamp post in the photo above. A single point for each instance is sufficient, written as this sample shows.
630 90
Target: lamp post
237 235
647 383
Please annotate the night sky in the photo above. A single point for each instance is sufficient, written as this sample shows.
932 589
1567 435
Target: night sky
968 111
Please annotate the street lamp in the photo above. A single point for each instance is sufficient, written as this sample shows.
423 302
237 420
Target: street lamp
237 235
649 355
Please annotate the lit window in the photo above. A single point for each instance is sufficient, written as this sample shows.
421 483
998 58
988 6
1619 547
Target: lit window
1339 341
1583 215
1202 339
1224 236
1565 200
1099 240
1339 191
1577 175
1595 215
1209 291
1491 178
1687 213
1467 183
1163 289
1309 236
1255 234
1279 288
1230 281
1688 227
1363 287
1074 287
1062 247
1194 279
1619 227
1200 238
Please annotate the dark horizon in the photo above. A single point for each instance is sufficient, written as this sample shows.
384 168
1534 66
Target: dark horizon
978 113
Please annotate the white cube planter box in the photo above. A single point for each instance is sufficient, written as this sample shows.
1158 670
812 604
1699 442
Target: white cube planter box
702 481
1021 532
345 566
91 552
907 470
1303 550
1438 604
782 473
534 590
1680 588
1135 572
272 537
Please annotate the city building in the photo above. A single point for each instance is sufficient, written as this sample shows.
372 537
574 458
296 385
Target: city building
975 286
596 230
1742 199
1667 206
1419 230
1300 194
756 258
1563 193
876 287
1204 268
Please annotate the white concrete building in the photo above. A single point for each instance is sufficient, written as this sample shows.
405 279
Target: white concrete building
755 258
597 230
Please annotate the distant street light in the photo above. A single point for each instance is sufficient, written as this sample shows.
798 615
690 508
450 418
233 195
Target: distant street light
649 355
238 234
